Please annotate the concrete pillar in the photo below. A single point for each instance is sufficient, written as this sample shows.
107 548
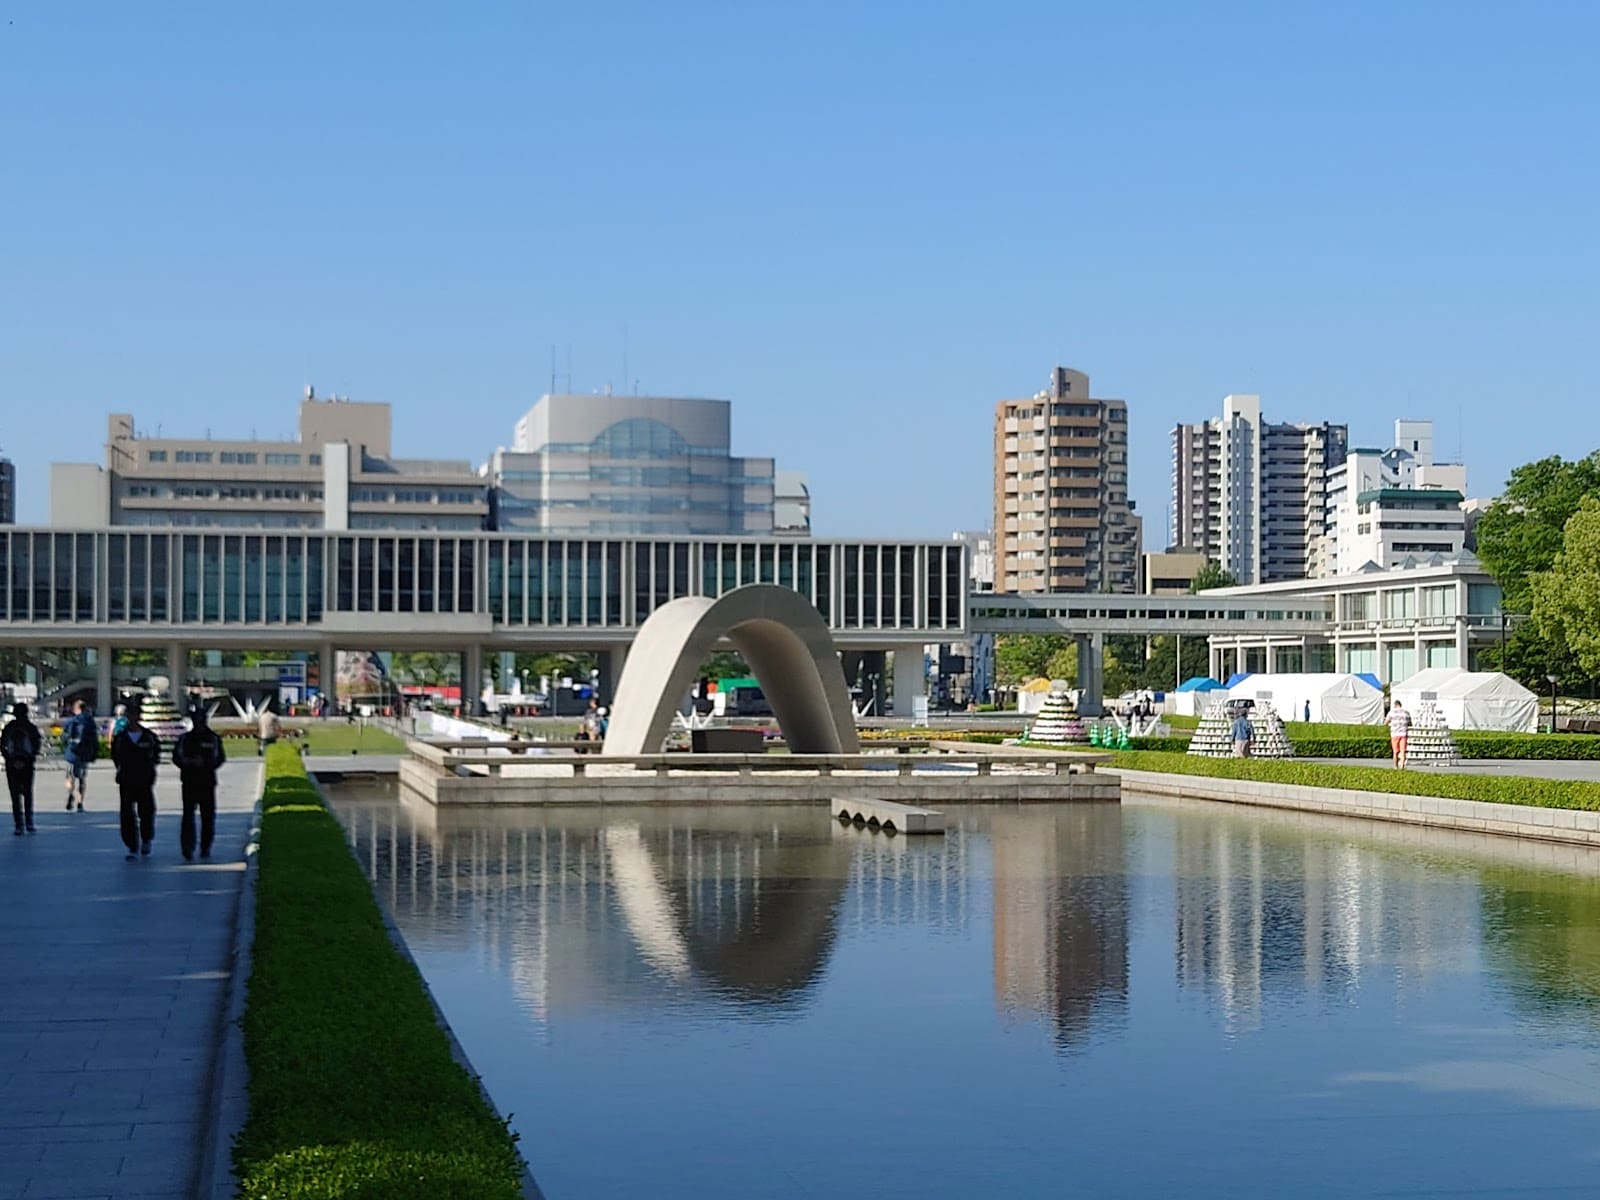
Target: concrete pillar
910 678
1091 673
508 671
472 681
328 674
104 697
178 674
612 660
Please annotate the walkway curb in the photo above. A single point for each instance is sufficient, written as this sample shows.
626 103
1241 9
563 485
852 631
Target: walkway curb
530 1188
230 1077
1568 825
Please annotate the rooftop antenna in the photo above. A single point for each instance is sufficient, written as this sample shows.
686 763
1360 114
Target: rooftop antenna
624 355
552 368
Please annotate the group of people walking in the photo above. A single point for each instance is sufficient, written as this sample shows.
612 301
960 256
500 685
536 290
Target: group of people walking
136 754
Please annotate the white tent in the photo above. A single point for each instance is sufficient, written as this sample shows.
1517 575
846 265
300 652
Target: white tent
1473 699
1340 699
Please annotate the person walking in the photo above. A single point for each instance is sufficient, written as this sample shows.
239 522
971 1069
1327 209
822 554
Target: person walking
137 755
80 740
1243 734
268 728
198 754
1399 734
20 744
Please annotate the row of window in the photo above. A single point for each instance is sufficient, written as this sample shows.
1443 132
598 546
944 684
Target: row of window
233 457
294 578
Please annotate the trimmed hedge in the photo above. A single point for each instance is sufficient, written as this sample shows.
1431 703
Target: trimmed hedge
353 1090
1496 789
1318 740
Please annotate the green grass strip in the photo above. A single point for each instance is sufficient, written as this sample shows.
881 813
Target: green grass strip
353 1090
1495 789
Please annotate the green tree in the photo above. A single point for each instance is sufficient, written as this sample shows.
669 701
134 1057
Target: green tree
1063 664
425 668
1161 670
1211 576
1518 538
555 665
1021 657
724 664
1522 531
1566 597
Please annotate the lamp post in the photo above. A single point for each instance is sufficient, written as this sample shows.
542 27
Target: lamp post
1553 682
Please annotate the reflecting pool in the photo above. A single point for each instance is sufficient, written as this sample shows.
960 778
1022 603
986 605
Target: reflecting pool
1147 1000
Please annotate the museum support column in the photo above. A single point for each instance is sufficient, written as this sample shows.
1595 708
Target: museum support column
910 679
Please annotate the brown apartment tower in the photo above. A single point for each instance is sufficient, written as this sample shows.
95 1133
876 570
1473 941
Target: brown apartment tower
1062 518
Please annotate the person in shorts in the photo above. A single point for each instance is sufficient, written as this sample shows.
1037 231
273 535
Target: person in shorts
80 741
1399 734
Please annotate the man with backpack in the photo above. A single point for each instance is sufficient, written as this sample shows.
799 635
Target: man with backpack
20 744
80 739
137 753
197 755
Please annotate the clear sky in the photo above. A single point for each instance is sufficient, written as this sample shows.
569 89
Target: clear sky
864 224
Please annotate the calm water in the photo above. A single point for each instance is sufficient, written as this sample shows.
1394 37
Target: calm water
1078 1001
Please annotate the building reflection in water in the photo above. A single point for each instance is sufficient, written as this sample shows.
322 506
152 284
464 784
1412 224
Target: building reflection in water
584 908
1061 917
1283 906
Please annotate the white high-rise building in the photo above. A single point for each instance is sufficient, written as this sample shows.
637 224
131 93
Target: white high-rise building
1252 494
1385 506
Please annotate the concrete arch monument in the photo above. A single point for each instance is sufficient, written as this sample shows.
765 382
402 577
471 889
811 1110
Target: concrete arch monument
782 637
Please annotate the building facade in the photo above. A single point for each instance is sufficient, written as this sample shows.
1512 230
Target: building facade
1355 534
8 492
635 466
1252 495
791 504
1170 573
339 473
1386 623
1062 518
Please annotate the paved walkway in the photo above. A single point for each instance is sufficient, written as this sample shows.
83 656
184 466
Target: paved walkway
113 983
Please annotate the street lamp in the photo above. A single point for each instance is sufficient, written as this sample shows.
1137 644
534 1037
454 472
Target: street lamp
1553 682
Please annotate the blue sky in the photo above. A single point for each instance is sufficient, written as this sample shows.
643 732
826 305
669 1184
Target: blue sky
864 224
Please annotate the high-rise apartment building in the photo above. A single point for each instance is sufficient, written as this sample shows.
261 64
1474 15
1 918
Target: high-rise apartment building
1252 495
338 474
1062 518
1385 506
8 492
632 465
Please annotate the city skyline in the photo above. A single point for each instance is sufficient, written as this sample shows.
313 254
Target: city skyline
883 241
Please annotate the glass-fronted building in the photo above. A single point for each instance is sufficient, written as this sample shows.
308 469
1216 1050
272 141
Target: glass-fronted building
133 582
635 466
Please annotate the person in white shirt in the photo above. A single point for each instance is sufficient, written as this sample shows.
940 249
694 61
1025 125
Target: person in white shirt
1399 733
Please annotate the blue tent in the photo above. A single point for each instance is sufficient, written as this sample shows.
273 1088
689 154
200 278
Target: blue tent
1237 678
1199 683
1370 678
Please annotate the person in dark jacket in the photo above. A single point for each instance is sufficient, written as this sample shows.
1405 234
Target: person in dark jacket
136 752
80 743
20 744
197 755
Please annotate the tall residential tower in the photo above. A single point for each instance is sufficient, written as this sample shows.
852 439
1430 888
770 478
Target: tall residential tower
1252 495
1062 518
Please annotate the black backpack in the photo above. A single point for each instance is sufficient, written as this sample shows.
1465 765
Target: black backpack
86 745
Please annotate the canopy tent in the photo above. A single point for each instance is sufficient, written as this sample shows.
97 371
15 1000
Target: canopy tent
1193 696
1340 699
1473 699
1032 695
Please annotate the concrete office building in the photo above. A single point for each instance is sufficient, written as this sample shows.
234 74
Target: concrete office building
1380 509
339 473
1062 518
1170 573
1250 494
635 466
8 492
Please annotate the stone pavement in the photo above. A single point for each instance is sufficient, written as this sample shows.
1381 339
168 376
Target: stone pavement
113 984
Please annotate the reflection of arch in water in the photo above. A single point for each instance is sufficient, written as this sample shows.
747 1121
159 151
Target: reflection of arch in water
780 943
779 633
